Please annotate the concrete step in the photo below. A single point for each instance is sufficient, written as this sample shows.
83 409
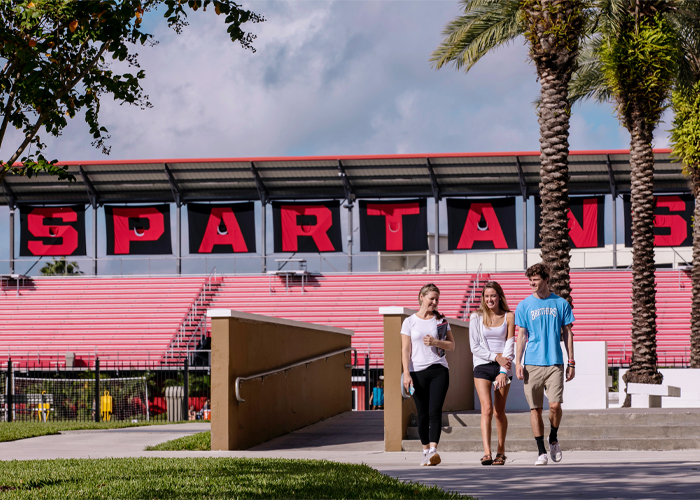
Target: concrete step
566 445
583 418
567 433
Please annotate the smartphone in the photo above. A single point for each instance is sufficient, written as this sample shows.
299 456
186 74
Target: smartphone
411 389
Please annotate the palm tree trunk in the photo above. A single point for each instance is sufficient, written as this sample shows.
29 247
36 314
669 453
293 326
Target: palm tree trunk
695 311
554 31
554 116
643 366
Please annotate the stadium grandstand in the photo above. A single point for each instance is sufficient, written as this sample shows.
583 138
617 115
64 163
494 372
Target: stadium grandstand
146 287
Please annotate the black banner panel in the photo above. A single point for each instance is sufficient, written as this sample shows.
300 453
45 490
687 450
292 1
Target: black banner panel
481 224
673 220
138 230
52 231
307 227
586 221
221 228
393 226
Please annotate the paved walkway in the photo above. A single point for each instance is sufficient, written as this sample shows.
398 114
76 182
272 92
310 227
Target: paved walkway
358 438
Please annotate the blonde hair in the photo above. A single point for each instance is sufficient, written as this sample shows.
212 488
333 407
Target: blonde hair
502 302
425 290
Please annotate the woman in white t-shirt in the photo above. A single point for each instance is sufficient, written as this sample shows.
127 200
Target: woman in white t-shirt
492 340
425 367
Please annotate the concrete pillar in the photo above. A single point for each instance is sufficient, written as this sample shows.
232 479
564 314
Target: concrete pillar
94 239
179 237
349 207
525 233
437 235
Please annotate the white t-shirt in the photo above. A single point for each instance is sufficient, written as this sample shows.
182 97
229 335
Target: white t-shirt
422 356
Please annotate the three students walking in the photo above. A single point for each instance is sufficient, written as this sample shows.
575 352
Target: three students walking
541 318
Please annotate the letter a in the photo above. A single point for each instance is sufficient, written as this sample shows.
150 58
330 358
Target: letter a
472 233
233 236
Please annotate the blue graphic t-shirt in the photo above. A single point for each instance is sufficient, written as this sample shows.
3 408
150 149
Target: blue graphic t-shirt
378 396
543 319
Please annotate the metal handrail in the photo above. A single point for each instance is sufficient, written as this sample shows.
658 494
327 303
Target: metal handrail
289 367
472 295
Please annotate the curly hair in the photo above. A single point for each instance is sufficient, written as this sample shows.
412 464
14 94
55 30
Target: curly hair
540 269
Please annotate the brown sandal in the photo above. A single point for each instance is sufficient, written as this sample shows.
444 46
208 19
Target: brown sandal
500 459
486 460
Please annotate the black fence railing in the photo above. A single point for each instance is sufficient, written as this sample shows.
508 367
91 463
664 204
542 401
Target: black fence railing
662 362
124 391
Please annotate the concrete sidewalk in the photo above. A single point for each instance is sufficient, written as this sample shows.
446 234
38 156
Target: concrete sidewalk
358 438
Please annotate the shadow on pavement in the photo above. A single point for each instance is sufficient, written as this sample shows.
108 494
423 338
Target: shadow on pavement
353 430
634 480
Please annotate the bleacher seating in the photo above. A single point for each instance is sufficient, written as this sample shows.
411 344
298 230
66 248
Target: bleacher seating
603 309
139 318
126 318
346 301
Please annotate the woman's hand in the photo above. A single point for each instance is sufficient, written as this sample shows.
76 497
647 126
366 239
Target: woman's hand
503 361
430 341
501 381
407 382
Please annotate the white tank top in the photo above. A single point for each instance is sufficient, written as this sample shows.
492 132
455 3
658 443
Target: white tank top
495 337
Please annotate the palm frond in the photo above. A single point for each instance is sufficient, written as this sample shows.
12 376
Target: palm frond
588 81
485 25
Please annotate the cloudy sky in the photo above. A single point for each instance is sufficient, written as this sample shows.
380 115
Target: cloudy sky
329 77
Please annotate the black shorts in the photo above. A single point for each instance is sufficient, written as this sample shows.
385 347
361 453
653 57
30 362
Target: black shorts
489 371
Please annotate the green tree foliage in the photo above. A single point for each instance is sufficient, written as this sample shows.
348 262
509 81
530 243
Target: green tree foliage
60 267
55 57
685 144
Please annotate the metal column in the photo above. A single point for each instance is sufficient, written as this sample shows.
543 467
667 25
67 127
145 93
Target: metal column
613 193
614 230
94 239
12 240
524 233
437 235
349 207
97 390
263 237
179 238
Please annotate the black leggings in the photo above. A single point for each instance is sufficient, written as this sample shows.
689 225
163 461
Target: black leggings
431 387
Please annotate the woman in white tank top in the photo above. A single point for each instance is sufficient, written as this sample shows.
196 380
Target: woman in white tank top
492 341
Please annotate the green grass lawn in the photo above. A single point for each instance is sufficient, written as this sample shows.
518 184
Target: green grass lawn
194 442
186 478
11 431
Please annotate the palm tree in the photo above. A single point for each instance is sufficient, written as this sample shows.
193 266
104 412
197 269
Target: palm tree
60 268
685 144
553 30
633 60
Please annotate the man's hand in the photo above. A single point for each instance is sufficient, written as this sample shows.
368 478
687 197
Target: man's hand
519 372
570 373
504 362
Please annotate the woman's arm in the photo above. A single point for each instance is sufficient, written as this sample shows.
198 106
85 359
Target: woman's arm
475 340
405 360
509 349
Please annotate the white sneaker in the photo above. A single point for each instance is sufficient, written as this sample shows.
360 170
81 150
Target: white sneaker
542 459
425 460
434 458
555 451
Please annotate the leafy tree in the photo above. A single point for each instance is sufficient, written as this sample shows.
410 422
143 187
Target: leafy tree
553 30
55 57
633 61
60 268
685 144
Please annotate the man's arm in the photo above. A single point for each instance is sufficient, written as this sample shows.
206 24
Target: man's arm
519 347
569 344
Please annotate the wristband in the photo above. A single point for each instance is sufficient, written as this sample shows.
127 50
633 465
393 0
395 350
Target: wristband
504 373
572 362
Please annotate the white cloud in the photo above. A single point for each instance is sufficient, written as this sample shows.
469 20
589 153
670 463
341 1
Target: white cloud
335 77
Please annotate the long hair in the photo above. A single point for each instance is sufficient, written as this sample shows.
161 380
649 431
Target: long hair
503 303
425 290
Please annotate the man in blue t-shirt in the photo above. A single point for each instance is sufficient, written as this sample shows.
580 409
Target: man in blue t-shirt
541 318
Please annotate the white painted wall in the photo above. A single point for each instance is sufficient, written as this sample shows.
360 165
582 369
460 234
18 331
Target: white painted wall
688 379
587 391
